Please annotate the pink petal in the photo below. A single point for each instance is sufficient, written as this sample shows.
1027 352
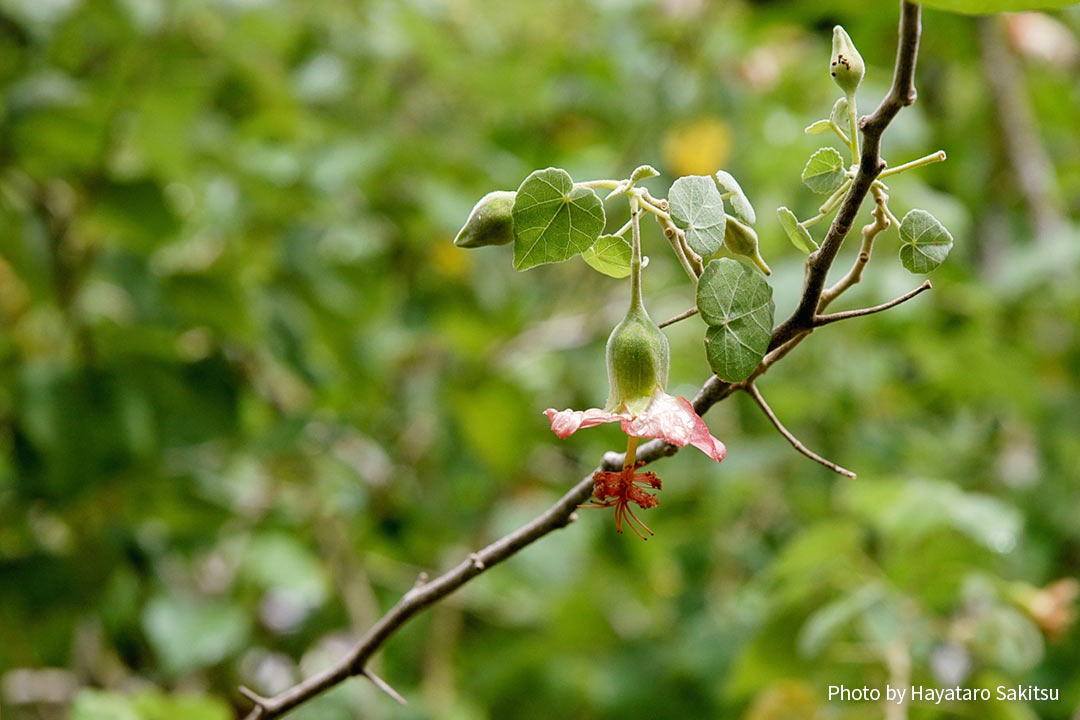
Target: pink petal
674 420
567 422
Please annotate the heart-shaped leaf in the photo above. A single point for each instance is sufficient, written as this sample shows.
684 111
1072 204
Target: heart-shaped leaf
737 304
926 242
740 204
554 219
610 255
799 235
697 209
824 171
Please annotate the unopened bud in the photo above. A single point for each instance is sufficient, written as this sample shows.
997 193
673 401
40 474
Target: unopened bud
741 239
491 221
846 65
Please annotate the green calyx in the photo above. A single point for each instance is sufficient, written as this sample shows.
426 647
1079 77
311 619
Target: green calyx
846 64
491 221
637 362
741 239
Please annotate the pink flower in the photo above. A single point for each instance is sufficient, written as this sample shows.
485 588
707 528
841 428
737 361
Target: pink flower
668 417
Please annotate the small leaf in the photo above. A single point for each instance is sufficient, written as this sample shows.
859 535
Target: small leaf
984 7
926 242
740 204
697 208
799 235
818 128
824 171
738 305
610 255
554 219
839 114
644 172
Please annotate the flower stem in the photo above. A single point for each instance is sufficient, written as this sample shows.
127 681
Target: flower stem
635 257
631 452
853 123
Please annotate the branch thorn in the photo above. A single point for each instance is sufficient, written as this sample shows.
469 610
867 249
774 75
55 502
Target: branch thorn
384 686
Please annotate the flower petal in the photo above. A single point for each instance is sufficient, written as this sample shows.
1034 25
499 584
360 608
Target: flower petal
567 422
674 420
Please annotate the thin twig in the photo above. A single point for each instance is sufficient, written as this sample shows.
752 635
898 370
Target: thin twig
869 233
680 317
785 337
847 314
753 392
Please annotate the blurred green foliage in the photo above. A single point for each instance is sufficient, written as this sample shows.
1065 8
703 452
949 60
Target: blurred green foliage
249 388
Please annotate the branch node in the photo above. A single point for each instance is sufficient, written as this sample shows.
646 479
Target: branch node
477 563
421 580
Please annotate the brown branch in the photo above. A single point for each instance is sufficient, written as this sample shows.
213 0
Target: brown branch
901 94
833 317
753 392
785 338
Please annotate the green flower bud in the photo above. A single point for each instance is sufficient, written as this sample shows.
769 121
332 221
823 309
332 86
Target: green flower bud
637 362
741 239
846 64
491 221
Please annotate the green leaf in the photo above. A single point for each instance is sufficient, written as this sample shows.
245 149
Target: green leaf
644 172
610 255
824 171
799 235
554 219
825 623
926 242
697 208
839 114
738 305
985 7
740 204
908 512
91 704
186 635
818 128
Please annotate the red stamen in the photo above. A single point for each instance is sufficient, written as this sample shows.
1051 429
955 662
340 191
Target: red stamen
621 488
